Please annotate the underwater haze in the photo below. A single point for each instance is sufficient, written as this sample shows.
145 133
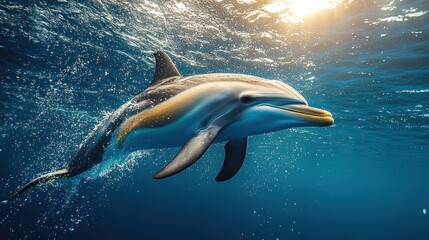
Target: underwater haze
65 65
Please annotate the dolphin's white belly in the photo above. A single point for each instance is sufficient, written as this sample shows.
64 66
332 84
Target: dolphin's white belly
174 134
193 114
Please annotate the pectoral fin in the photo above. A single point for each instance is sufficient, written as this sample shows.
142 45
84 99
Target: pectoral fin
193 149
235 152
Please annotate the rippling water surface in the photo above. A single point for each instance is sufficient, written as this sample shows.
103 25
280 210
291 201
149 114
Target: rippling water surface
64 65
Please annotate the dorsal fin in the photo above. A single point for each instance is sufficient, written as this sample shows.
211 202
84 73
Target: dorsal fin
165 67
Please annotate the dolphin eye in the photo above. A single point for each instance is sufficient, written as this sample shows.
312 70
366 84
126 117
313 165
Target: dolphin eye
246 99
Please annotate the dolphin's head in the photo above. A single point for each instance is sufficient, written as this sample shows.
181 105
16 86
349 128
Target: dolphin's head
275 106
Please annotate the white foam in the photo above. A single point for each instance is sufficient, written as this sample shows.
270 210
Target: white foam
413 91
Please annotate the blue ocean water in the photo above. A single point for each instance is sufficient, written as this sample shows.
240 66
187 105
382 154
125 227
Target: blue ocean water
64 65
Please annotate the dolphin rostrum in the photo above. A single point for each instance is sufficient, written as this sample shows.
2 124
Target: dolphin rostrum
193 112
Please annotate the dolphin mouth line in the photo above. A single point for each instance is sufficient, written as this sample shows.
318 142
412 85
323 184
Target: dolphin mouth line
315 115
307 110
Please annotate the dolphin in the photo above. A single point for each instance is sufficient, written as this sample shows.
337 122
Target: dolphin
193 112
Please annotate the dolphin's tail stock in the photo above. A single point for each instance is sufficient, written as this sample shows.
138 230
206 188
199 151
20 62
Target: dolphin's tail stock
62 173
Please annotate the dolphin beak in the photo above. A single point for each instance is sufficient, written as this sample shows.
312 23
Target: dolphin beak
311 115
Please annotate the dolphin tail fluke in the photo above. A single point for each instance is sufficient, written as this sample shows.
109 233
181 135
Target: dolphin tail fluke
62 173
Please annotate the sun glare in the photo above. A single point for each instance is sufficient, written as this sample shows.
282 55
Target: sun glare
303 8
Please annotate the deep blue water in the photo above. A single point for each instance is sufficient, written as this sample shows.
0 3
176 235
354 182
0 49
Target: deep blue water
64 65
